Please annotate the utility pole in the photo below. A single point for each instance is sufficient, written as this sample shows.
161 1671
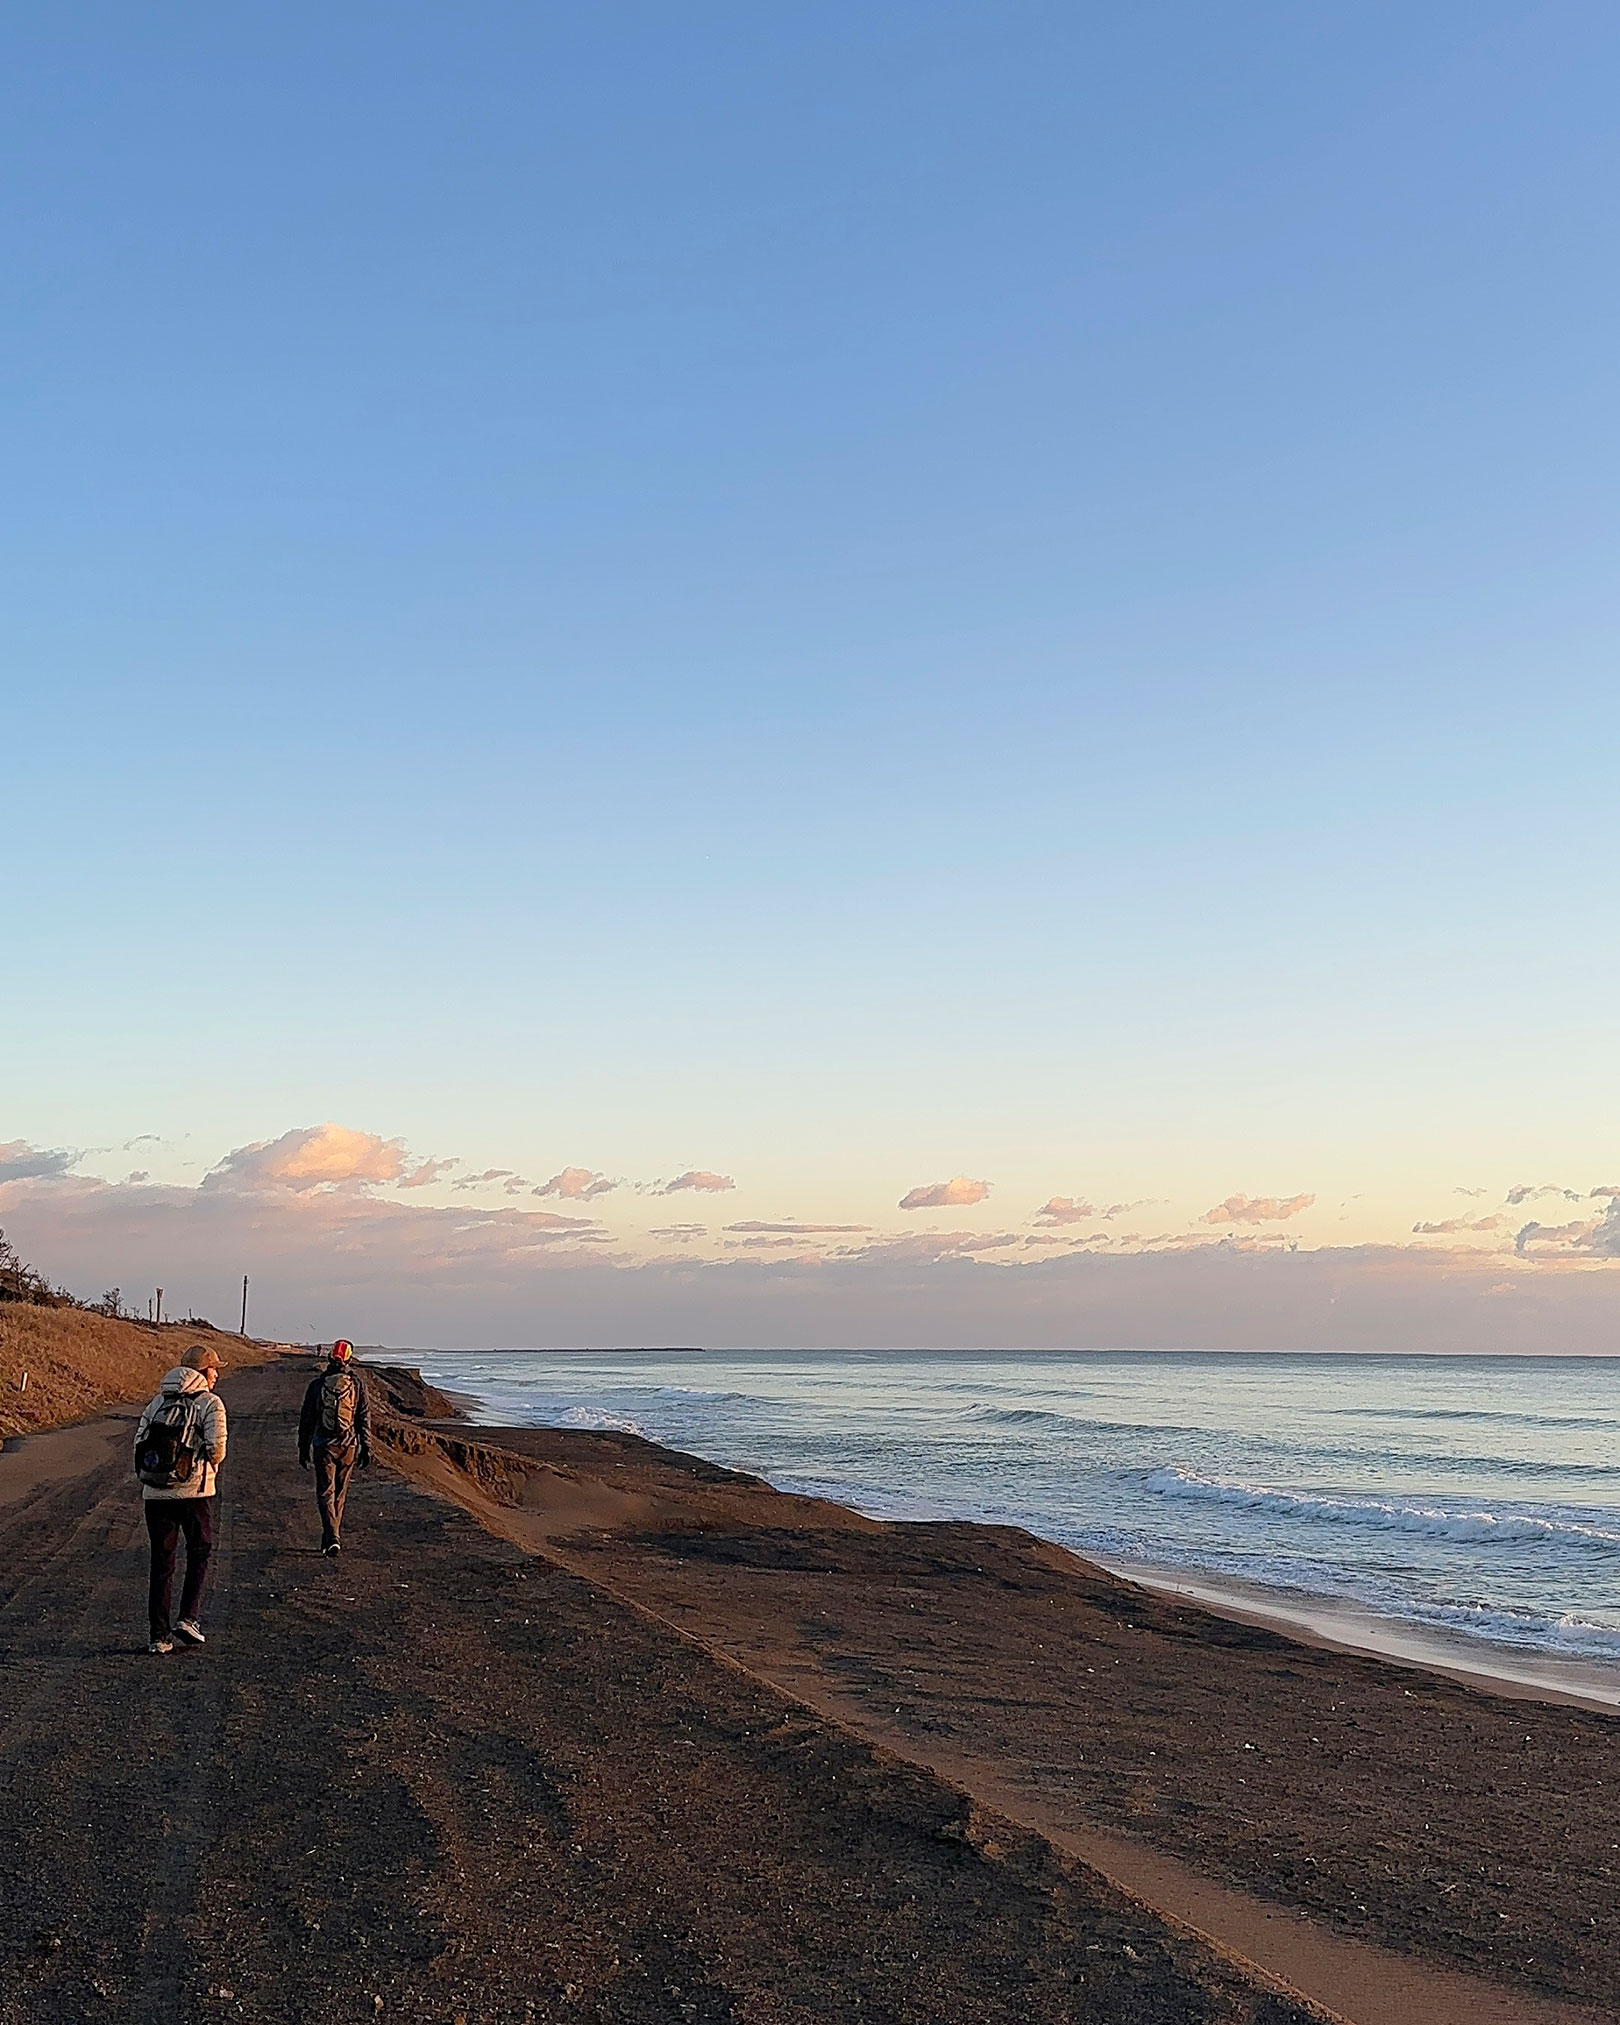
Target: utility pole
244 1304
160 1307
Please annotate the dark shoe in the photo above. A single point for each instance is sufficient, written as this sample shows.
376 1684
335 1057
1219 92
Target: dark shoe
335 1548
189 1629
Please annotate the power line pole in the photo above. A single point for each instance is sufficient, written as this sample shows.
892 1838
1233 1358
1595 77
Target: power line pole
244 1304
160 1307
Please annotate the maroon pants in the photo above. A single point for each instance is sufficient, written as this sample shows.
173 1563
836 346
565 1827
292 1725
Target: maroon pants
166 1520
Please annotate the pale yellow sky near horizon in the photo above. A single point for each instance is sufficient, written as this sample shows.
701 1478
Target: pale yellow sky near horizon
695 1209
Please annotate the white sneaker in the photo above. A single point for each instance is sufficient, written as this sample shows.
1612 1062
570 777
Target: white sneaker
161 1645
189 1629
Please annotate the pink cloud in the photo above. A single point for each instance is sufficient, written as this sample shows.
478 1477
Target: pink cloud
577 1184
958 1193
1598 1239
1065 1209
21 1162
802 1229
1257 1208
700 1179
1455 1224
511 1181
426 1171
312 1156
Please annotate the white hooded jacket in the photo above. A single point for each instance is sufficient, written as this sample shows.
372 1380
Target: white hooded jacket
183 1382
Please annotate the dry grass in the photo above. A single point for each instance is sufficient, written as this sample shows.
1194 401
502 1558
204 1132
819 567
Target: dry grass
78 1363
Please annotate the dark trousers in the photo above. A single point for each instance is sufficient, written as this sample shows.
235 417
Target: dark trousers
333 1467
166 1520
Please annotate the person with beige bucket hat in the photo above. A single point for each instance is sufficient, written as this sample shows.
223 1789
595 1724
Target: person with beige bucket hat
179 1446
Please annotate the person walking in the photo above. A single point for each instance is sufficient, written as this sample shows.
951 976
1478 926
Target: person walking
335 1425
179 1446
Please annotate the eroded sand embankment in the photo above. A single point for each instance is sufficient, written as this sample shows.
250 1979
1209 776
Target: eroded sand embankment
1401 1844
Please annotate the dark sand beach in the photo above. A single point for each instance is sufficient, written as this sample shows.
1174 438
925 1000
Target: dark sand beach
579 1729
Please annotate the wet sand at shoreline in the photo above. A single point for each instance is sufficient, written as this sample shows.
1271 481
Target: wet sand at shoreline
1516 1674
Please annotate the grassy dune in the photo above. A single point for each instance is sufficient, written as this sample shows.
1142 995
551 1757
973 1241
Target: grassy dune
78 1362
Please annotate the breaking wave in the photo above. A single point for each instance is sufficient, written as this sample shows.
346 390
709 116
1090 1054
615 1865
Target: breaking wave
600 1422
1485 1416
1435 1522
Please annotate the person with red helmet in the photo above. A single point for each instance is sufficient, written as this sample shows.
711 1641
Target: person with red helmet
335 1427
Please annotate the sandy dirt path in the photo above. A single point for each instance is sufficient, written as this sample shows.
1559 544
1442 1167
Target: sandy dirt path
441 1779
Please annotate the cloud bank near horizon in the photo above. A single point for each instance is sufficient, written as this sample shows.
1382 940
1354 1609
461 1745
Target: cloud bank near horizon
352 1230
338 1232
381 1269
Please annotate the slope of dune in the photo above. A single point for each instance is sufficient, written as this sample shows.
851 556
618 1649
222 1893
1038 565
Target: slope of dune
59 1364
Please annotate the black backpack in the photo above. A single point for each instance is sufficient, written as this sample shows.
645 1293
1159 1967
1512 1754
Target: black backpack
170 1449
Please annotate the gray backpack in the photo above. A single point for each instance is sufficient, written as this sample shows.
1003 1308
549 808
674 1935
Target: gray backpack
337 1409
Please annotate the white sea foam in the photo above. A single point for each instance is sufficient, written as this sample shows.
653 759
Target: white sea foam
597 1421
1482 1528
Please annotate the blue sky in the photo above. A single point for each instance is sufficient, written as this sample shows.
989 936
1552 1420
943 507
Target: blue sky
838 596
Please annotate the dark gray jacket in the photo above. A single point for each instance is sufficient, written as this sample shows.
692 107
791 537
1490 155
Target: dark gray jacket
309 1420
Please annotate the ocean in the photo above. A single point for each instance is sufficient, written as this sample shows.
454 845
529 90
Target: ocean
1472 1501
